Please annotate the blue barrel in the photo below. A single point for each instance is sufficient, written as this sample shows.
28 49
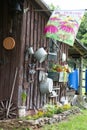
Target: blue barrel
73 79
86 81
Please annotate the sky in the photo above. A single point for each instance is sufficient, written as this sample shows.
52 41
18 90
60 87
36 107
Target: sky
69 4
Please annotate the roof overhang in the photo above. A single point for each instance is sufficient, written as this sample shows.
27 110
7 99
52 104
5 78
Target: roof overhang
77 50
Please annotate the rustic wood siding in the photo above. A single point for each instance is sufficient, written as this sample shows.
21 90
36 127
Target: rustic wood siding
9 59
33 37
27 31
34 23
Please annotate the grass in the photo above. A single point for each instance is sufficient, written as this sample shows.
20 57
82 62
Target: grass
75 122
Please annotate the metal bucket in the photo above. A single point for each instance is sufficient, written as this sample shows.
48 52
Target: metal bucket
46 86
40 54
52 56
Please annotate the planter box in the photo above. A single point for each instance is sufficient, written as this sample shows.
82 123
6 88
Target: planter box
54 76
63 76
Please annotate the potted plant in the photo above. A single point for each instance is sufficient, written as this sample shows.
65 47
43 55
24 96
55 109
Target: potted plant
22 108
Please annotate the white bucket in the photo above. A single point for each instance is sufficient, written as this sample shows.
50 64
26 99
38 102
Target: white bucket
46 86
30 50
40 54
63 57
22 111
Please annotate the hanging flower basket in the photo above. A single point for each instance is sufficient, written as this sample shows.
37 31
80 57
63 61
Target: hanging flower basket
59 73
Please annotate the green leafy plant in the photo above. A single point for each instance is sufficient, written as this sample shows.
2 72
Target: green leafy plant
23 96
66 107
48 111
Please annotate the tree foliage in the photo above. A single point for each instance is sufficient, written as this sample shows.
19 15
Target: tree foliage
82 33
53 7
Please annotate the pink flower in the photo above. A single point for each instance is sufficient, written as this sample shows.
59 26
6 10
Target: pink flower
50 29
67 27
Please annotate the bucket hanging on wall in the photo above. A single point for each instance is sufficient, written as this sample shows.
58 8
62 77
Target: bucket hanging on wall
40 54
52 56
46 86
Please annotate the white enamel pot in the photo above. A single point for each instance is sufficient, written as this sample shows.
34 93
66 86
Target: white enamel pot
40 54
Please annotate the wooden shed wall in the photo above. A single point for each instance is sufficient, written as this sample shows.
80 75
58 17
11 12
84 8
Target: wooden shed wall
27 30
32 36
9 59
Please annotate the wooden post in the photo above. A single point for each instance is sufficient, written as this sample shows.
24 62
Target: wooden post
21 64
80 76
